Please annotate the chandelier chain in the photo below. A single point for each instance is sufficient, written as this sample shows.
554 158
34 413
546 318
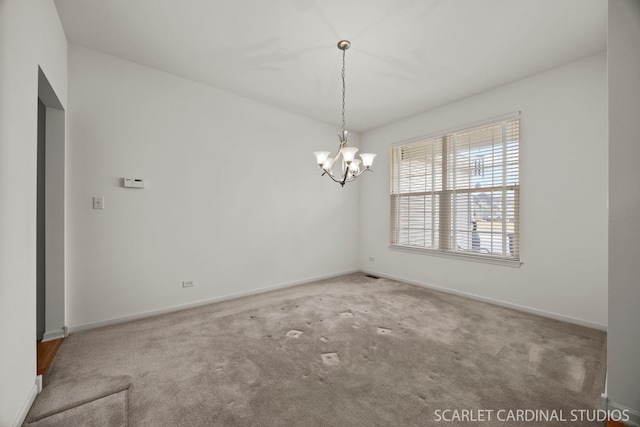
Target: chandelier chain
343 86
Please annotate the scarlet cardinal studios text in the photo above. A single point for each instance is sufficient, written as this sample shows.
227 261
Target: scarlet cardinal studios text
528 415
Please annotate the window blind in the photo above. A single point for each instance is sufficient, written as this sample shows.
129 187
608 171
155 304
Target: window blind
459 192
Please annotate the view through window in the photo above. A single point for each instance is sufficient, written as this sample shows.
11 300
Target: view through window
459 192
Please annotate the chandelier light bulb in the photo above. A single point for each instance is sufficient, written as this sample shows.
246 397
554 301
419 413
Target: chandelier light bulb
321 156
348 153
354 167
367 159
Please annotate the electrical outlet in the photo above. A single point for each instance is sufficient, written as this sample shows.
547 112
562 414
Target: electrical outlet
187 283
372 259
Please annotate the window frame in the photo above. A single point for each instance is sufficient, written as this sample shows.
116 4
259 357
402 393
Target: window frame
445 137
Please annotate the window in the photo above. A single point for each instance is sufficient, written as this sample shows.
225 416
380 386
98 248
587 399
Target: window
459 192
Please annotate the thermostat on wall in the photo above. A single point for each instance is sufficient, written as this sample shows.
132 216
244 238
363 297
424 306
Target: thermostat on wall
133 182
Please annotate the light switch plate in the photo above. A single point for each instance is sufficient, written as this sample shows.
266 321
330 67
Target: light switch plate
98 202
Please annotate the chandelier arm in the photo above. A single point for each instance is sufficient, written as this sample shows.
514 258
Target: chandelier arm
360 173
346 178
354 176
332 176
329 173
346 174
333 162
336 180
351 178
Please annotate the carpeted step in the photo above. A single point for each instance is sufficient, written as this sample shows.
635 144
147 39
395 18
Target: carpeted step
69 396
107 411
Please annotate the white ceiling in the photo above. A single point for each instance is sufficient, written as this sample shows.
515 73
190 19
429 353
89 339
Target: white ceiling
407 56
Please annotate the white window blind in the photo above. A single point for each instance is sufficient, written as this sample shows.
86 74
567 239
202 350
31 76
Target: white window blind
459 192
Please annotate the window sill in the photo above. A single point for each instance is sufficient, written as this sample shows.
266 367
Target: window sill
459 256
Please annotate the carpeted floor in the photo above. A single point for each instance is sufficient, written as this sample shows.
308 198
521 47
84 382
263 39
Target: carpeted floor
349 351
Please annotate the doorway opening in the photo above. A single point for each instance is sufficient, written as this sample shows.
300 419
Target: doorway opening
50 243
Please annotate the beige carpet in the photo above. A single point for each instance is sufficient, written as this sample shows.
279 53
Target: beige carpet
350 351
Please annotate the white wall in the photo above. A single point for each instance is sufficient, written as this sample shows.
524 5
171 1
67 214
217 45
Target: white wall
563 196
623 344
234 200
30 35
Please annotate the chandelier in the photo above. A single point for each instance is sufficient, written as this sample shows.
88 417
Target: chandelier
350 168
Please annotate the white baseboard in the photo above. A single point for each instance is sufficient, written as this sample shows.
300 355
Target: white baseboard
614 409
518 307
55 334
171 309
27 405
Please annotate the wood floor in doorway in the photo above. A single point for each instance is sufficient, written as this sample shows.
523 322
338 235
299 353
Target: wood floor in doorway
46 352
